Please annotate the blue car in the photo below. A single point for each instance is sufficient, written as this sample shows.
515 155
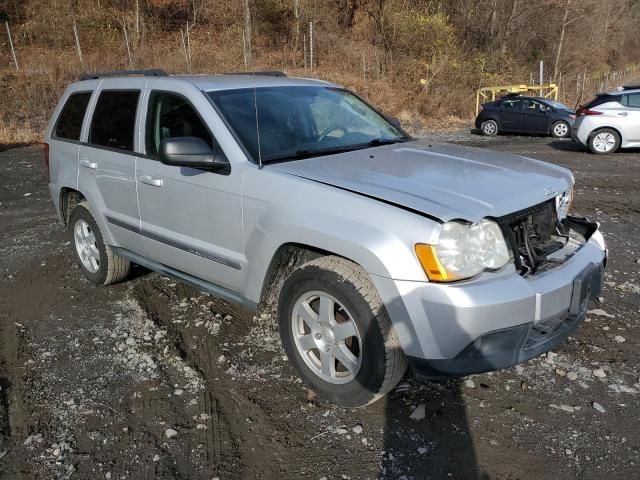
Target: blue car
529 115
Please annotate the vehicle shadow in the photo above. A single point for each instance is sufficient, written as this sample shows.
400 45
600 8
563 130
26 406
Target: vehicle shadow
427 433
437 446
567 146
571 146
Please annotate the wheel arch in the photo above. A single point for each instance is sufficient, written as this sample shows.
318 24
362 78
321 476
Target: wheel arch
597 129
68 199
286 259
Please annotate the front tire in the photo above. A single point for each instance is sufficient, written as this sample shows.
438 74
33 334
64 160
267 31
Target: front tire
489 128
96 259
603 141
560 129
337 333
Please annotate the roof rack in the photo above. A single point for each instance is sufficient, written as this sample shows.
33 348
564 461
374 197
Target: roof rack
266 73
632 86
123 73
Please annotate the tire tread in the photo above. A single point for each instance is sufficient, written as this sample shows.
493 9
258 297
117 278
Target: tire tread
117 267
396 362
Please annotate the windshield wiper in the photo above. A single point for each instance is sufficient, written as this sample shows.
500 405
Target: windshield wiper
386 141
301 154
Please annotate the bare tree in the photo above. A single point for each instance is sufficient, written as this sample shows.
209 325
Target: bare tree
247 31
563 29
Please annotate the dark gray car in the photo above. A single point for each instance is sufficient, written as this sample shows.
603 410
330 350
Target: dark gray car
529 115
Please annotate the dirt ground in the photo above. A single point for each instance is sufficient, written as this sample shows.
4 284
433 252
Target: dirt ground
152 379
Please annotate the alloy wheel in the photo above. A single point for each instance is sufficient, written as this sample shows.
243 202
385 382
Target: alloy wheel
489 128
604 142
327 337
86 246
561 130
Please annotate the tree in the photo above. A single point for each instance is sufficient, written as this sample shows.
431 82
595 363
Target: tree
247 33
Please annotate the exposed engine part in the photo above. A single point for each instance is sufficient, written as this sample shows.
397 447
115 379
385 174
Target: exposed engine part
538 240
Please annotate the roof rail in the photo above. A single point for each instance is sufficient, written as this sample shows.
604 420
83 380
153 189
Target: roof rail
123 73
266 73
631 86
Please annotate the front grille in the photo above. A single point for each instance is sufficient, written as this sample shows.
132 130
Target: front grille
531 234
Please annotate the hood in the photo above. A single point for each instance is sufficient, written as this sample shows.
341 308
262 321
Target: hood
441 180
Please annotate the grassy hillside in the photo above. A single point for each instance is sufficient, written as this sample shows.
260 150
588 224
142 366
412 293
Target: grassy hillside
380 48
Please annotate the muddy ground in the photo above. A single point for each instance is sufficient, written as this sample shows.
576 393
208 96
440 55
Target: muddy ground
152 379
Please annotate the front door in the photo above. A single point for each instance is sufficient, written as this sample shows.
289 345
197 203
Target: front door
535 117
191 219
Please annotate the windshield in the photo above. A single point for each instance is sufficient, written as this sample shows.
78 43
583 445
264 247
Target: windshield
301 122
557 105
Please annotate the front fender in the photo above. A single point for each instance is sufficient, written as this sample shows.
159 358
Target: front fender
377 236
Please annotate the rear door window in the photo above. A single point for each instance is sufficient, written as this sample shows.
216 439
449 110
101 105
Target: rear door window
171 116
632 100
512 105
69 124
114 119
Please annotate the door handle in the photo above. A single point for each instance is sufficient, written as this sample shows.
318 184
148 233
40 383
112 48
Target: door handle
85 162
623 114
149 180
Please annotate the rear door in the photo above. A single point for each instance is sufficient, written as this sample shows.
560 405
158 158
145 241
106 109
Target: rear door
64 140
510 114
107 160
191 219
630 122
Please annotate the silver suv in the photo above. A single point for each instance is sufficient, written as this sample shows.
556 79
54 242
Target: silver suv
610 121
378 249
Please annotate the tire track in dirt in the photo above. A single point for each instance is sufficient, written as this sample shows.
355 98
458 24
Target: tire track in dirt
244 441
222 448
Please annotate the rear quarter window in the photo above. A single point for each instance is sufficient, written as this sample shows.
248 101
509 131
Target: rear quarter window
69 123
632 100
114 119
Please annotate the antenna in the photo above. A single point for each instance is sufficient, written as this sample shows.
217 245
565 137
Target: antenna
255 105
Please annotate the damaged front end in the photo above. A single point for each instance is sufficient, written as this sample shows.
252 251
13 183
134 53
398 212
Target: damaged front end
539 240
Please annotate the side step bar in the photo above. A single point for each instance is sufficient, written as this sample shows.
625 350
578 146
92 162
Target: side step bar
212 288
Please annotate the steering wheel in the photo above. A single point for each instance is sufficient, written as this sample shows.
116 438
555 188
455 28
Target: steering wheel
325 133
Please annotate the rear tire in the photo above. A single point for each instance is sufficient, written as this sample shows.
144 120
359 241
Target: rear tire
96 260
489 128
356 325
604 141
560 129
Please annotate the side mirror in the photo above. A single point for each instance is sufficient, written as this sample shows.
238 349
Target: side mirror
191 152
395 122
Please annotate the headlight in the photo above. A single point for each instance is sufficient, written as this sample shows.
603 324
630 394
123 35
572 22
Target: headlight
563 204
463 251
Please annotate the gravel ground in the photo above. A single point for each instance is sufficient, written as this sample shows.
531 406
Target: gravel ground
153 379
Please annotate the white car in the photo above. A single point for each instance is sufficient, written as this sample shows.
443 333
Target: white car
610 121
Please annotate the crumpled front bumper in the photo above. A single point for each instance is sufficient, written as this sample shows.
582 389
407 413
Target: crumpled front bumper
513 345
497 320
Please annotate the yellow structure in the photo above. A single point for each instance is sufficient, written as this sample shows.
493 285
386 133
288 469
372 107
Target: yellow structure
489 94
